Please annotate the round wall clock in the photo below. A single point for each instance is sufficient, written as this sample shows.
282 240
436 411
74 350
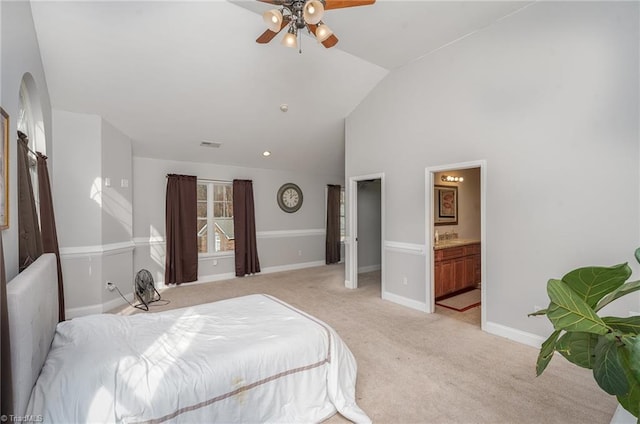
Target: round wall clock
289 197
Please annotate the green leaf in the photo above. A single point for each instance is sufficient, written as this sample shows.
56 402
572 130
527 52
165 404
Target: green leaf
630 325
637 254
546 352
632 348
536 313
607 367
617 293
594 282
631 400
569 312
578 348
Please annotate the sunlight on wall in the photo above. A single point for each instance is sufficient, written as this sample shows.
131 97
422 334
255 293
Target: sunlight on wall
117 206
95 193
157 250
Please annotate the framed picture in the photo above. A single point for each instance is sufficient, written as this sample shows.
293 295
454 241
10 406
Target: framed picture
446 205
4 170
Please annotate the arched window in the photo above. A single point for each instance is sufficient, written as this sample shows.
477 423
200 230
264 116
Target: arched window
31 123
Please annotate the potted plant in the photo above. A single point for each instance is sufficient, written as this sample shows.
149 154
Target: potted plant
610 346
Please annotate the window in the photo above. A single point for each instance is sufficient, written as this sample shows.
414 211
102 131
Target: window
27 124
215 217
343 220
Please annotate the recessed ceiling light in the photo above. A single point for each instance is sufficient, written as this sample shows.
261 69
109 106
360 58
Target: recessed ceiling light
284 107
266 153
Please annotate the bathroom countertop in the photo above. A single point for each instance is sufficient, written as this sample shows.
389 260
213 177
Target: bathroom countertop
443 244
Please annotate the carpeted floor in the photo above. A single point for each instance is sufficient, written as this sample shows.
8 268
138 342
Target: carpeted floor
423 368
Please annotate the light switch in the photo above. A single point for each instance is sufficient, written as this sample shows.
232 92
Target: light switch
124 183
107 182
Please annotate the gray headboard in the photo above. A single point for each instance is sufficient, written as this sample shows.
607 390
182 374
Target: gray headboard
32 304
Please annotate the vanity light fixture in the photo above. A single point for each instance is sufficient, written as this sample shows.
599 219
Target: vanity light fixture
451 179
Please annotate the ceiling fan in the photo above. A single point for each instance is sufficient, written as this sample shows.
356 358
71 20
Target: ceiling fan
300 14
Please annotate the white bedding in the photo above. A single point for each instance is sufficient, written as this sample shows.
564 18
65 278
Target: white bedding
252 359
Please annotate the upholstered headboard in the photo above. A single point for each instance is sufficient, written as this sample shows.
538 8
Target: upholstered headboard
32 303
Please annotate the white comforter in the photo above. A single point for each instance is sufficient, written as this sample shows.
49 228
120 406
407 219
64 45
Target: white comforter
252 359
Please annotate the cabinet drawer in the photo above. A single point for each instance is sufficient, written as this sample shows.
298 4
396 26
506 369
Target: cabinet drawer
472 249
451 252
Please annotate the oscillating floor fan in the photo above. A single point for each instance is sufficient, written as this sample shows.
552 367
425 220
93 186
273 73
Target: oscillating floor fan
145 290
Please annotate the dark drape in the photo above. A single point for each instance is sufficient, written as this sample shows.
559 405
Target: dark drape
244 227
6 399
181 264
48 225
332 251
30 241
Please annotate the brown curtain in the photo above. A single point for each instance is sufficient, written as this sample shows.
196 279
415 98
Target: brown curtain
48 223
244 226
332 252
181 263
6 398
30 241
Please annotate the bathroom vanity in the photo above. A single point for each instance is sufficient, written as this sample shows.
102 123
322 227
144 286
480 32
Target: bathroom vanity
457 266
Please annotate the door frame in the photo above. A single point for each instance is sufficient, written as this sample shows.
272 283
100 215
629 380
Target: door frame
351 240
430 233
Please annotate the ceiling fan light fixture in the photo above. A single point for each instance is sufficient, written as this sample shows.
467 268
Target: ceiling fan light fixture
273 19
290 39
313 11
323 32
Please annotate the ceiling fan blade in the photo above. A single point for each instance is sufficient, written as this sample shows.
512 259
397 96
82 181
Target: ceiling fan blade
329 42
275 2
268 35
339 4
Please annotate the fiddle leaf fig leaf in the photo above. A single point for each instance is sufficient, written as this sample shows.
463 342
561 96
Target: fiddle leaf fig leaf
578 348
623 325
569 312
607 367
546 352
637 254
631 400
618 293
536 313
632 348
594 282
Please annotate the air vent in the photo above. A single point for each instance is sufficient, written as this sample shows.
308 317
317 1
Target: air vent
212 144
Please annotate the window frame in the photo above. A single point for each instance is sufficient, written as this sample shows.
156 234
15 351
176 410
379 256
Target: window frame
211 253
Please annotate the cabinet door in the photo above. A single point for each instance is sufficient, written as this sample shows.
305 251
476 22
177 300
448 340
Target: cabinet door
444 278
459 272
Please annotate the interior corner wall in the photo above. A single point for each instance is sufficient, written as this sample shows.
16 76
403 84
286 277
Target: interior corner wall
94 219
285 240
549 98
19 54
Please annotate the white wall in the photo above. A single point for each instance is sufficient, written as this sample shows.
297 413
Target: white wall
19 54
285 241
369 226
94 220
549 98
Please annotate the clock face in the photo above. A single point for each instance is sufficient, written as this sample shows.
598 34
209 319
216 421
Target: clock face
289 197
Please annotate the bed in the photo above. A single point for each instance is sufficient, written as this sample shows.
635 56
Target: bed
251 359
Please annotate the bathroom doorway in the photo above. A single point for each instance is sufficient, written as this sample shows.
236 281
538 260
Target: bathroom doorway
455 223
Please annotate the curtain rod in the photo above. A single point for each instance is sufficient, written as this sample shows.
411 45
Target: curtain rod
207 180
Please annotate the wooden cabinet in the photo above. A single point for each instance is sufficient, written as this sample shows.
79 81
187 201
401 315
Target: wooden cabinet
456 268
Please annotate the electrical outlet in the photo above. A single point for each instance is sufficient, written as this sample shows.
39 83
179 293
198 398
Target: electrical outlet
299 252
405 281
110 286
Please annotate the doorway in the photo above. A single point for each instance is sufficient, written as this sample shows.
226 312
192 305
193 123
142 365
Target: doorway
455 234
366 227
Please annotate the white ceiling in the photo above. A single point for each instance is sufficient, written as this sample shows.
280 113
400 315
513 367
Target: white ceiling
171 74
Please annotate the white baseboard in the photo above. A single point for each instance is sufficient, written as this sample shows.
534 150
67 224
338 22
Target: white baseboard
291 267
230 275
404 301
369 268
519 336
97 308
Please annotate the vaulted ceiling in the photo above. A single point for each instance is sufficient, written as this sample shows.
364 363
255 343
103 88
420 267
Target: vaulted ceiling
172 74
